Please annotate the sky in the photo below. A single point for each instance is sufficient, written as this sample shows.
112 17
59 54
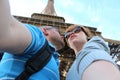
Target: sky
101 14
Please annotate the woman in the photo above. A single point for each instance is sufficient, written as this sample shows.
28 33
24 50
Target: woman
93 61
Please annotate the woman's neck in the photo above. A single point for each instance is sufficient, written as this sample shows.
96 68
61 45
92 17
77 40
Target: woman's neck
78 48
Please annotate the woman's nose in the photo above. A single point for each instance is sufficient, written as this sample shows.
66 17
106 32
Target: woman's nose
71 33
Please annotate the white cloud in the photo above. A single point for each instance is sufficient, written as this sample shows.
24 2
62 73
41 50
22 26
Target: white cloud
69 19
24 9
39 6
68 3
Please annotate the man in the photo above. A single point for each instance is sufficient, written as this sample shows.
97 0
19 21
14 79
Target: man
20 42
53 36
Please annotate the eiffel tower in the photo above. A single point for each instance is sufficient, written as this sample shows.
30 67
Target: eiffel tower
49 9
48 17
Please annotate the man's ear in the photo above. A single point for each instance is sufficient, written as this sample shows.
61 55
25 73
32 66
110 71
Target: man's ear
44 31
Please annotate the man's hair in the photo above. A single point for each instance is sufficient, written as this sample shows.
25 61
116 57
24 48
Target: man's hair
46 27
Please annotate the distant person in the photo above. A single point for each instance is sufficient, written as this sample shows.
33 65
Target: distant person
20 42
93 61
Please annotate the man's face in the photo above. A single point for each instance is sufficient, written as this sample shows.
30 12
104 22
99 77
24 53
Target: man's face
55 36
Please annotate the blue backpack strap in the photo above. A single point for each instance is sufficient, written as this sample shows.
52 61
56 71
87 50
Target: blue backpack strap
36 62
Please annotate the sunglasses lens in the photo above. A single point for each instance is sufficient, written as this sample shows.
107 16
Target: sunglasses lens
67 35
76 30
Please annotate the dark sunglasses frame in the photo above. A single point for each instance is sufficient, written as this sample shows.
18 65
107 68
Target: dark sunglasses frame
75 30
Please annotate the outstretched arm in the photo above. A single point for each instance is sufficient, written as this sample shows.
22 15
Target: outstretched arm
105 72
14 37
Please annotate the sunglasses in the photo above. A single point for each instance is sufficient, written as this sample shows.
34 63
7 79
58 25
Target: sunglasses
76 30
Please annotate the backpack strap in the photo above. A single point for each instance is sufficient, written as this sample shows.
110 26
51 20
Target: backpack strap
36 62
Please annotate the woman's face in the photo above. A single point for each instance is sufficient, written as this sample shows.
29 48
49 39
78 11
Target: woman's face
76 37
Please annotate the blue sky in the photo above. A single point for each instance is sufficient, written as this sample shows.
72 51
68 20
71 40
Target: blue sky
101 14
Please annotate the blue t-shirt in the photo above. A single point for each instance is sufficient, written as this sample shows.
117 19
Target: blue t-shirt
12 65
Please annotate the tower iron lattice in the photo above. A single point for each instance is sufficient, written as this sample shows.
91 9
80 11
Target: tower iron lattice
49 9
